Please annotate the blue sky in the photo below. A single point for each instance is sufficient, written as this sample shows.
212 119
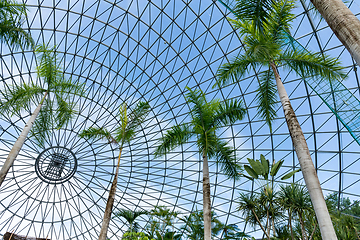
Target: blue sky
151 50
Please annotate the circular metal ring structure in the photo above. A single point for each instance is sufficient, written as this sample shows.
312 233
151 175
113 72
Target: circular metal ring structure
136 50
56 165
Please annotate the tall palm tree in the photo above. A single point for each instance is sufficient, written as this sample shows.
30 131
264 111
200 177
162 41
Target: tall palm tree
130 216
206 118
263 47
121 135
11 18
55 113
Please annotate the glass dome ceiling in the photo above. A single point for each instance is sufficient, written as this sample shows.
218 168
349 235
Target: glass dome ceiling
137 50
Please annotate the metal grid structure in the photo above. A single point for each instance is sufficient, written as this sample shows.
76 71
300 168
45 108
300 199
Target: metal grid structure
138 50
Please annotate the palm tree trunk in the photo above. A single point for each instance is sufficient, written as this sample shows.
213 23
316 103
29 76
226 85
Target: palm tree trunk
261 226
268 222
306 164
110 203
343 22
19 142
303 231
206 198
312 234
291 229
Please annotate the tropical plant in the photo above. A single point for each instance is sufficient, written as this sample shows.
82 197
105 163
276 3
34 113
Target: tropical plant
135 236
262 168
54 112
130 216
232 232
162 224
194 225
260 209
120 136
295 199
263 205
264 48
11 19
206 118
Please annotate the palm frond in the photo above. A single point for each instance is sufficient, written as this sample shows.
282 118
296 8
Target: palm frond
43 124
262 48
48 66
233 70
65 87
173 138
256 11
11 32
97 133
64 111
266 96
16 97
11 8
197 98
130 122
225 157
308 64
129 215
11 18
281 17
229 112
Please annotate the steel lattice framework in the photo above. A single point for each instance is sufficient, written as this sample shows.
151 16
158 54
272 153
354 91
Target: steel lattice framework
139 50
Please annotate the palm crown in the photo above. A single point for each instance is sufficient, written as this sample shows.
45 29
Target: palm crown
126 129
206 118
264 43
57 108
130 216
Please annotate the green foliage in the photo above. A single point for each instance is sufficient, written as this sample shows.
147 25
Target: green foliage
130 217
292 204
55 93
11 18
206 118
126 130
262 168
135 236
129 123
194 225
161 225
264 26
97 133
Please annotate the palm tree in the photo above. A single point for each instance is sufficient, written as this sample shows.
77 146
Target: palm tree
295 199
263 47
57 111
130 217
11 18
206 118
122 134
